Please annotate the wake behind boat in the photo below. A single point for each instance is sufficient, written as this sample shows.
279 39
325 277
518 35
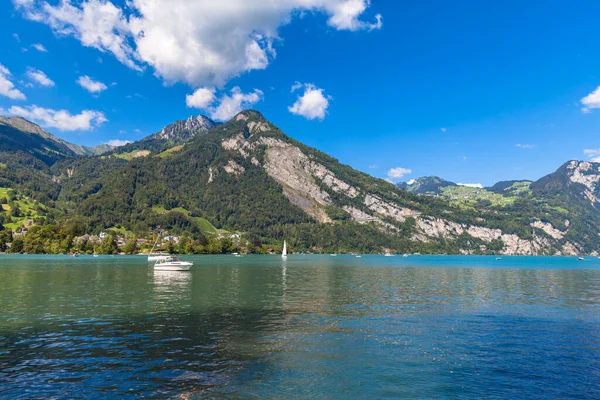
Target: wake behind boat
172 263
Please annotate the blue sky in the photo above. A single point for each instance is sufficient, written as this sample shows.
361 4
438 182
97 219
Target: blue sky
475 92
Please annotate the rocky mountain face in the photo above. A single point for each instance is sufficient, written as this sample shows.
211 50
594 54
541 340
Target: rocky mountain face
177 133
246 175
577 181
185 130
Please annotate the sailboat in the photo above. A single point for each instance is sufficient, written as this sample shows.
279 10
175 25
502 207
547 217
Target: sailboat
156 256
284 252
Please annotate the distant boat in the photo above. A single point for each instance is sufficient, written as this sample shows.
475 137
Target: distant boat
388 255
358 256
405 255
95 255
581 258
284 252
498 258
333 255
172 263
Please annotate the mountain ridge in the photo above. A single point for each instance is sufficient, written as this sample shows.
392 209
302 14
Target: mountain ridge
246 175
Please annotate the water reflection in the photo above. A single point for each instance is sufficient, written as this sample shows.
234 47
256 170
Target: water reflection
257 327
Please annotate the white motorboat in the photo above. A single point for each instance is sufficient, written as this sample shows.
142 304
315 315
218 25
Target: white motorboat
172 263
284 252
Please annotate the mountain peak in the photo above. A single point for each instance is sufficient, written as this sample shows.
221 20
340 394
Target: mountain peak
186 129
246 115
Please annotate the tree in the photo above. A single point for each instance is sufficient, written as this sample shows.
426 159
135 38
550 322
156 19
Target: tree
131 246
17 246
170 247
15 211
5 237
109 244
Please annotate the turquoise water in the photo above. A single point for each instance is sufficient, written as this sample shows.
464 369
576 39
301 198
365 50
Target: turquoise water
311 327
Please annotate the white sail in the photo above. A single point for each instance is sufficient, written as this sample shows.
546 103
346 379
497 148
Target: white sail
284 252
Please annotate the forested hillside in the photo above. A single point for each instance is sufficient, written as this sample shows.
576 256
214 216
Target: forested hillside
201 181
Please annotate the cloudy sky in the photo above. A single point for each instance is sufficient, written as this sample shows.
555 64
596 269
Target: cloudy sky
471 91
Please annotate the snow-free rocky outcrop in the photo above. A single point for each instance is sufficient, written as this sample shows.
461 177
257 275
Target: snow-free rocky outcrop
186 129
311 186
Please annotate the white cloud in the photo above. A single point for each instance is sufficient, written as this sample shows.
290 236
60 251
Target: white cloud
40 77
7 88
91 85
312 104
373 166
190 41
591 101
411 182
471 185
297 85
60 119
443 129
526 146
39 47
592 154
224 107
230 105
118 142
344 15
16 37
202 98
397 173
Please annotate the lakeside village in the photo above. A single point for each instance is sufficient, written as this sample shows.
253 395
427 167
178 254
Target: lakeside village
37 240
25 227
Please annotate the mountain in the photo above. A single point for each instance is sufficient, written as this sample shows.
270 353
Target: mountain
175 134
247 176
575 181
426 185
506 187
18 134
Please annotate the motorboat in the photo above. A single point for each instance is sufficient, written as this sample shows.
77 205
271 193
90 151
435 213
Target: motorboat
172 263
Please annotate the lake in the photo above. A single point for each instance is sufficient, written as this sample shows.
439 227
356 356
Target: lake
310 327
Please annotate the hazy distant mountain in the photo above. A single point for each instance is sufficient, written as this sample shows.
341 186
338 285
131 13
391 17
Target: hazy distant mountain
425 185
17 133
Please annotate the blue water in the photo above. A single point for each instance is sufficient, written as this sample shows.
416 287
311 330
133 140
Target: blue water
310 327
